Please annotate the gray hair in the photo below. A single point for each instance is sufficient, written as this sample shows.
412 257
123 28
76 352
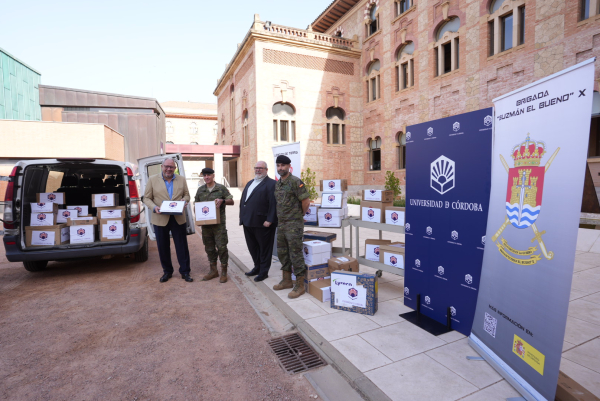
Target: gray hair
265 163
168 158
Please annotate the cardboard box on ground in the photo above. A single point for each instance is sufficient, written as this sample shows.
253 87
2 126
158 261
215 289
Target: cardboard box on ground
316 252
207 213
354 292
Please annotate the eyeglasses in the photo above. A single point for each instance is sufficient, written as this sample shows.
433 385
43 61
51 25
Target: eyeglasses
259 168
169 168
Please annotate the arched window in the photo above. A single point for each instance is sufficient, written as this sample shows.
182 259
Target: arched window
193 128
375 154
405 66
232 109
336 129
446 47
170 129
505 15
170 143
245 128
373 81
401 145
372 25
402 6
223 132
284 122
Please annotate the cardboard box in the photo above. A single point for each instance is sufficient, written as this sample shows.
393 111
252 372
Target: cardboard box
311 214
334 185
207 213
334 200
82 234
354 292
307 282
51 197
320 289
373 211
319 235
64 214
316 252
80 221
378 195
394 215
332 217
372 250
42 219
117 212
105 200
47 235
112 230
82 210
174 208
392 254
47 207
345 263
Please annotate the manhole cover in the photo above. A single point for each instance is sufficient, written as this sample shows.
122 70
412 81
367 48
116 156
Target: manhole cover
294 354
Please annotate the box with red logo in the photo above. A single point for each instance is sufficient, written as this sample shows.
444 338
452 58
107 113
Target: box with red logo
392 254
47 236
51 197
373 211
105 200
117 212
64 214
47 207
82 210
174 208
334 200
310 217
42 219
332 217
354 292
334 185
207 213
316 252
372 248
82 234
394 215
378 195
112 230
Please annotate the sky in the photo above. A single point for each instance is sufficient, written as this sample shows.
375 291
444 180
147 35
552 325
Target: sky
168 50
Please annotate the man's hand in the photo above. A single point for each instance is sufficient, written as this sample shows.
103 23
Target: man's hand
218 203
267 224
156 210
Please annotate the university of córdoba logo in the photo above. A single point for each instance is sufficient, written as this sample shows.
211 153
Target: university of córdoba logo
469 279
427 299
487 121
453 311
417 263
441 270
454 235
429 131
442 175
429 230
408 135
456 126
407 227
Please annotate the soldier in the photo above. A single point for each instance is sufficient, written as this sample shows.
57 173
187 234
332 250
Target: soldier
214 236
292 203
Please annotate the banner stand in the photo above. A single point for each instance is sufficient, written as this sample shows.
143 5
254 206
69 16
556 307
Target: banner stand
426 323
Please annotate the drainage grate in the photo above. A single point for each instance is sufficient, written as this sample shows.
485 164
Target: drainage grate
294 354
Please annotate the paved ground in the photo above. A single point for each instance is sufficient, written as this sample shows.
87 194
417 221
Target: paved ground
108 330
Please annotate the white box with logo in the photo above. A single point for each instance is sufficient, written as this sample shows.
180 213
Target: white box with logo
372 251
82 210
42 219
82 234
334 185
172 207
378 195
117 212
207 213
64 214
334 200
373 211
112 230
394 216
105 200
311 214
316 252
46 236
47 207
332 217
51 197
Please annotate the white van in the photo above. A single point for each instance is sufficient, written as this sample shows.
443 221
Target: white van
79 180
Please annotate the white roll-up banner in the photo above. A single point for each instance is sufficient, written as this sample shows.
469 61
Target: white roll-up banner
291 150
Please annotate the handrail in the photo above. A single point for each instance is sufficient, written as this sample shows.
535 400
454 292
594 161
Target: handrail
225 182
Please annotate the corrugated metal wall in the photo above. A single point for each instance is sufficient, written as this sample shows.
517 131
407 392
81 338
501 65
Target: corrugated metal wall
19 90
143 132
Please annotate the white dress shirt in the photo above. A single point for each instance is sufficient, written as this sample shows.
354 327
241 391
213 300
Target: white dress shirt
253 185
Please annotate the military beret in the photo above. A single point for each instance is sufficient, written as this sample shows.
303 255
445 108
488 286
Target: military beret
281 159
207 170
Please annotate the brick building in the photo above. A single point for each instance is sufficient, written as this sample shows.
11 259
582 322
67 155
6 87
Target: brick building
348 86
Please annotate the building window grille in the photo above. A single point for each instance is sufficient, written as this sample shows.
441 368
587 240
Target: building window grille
506 25
336 129
373 81
375 154
446 47
405 66
284 122
401 147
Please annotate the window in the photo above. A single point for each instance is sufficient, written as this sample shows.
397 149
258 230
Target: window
373 84
284 124
170 129
193 143
585 10
372 21
506 25
402 6
375 154
405 66
401 147
170 143
232 110
246 138
193 128
336 129
446 47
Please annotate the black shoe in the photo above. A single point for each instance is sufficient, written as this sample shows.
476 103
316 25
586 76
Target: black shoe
252 272
260 277
187 278
165 278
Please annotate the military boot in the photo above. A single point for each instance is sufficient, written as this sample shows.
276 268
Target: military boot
285 283
298 288
213 273
223 278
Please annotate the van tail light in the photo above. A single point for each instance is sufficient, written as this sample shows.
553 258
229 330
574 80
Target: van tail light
134 196
9 197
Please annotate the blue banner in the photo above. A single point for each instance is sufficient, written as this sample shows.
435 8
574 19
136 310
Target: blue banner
448 164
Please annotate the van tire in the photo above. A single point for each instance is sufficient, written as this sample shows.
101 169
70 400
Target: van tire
35 266
142 254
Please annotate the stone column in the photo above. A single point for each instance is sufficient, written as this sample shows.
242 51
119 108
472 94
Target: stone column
218 167
452 54
410 74
440 65
497 38
515 30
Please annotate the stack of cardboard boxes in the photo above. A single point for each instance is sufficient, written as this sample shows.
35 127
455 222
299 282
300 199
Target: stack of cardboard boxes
334 203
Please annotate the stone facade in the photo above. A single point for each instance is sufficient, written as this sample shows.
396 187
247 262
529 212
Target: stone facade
306 69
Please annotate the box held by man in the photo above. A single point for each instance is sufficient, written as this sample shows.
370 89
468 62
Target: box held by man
207 213
174 208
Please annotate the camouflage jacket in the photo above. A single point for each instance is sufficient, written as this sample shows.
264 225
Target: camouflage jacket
289 194
219 192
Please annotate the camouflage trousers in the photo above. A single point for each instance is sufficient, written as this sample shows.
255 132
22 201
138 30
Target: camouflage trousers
214 238
289 248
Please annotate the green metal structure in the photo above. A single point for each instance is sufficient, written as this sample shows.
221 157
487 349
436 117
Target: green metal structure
19 90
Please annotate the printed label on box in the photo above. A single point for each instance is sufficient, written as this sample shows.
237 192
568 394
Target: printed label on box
371 214
42 238
333 200
112 229
373 195
104 200
82 210
311 214
205 210
393 259
111 214
53 197
372 252
81 234
47 207
64 214
172 207
394 217
42 219
347 293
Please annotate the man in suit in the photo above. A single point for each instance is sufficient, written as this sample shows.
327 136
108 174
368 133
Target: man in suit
258 215
163 187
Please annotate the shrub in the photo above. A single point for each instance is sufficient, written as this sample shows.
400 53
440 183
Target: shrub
308 177
392 183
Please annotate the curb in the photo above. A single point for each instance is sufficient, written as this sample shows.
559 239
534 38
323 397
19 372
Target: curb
361 383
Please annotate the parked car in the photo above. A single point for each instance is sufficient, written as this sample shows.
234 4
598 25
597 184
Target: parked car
79 179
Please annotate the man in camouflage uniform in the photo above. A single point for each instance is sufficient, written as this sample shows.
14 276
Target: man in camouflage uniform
214 236
292 203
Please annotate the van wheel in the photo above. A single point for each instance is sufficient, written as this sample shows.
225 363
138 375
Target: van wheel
142 254
35 266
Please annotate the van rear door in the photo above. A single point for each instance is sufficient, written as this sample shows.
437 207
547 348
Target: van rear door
149 166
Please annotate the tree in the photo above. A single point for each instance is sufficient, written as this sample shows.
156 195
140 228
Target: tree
392 183
308 177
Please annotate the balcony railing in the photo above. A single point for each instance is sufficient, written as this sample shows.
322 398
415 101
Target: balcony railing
309 35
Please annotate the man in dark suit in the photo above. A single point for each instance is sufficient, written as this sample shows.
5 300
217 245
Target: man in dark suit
259 218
